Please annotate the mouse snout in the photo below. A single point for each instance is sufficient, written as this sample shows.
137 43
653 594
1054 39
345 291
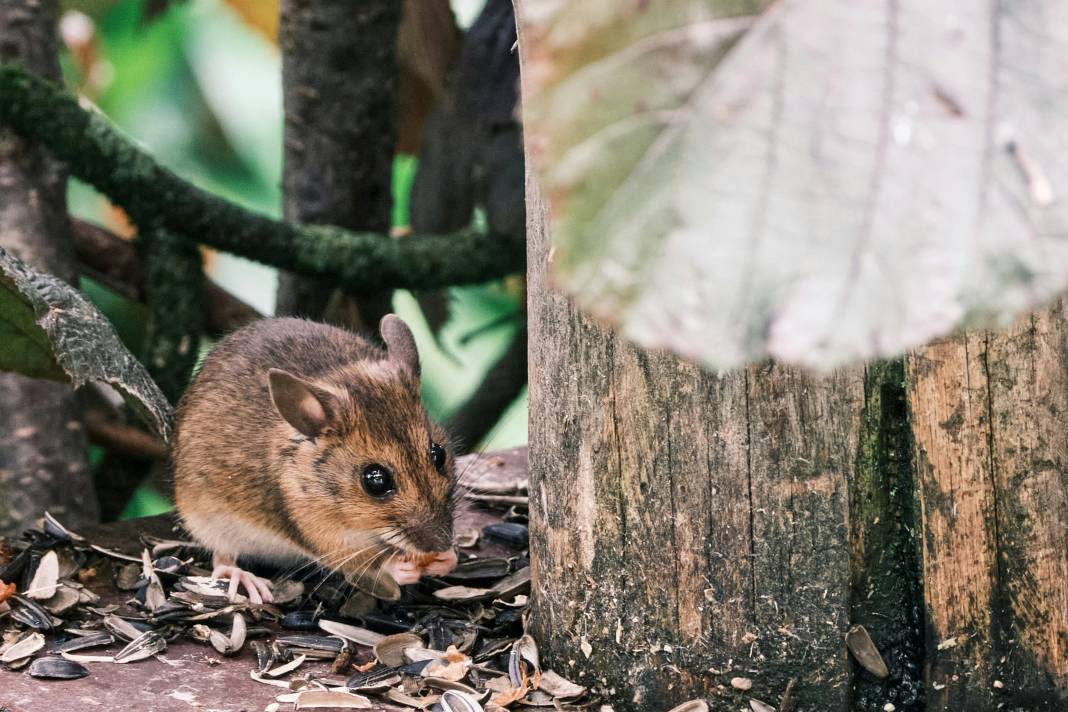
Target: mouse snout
431 534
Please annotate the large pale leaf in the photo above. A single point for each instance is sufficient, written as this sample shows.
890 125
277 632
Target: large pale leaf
839 181
48 330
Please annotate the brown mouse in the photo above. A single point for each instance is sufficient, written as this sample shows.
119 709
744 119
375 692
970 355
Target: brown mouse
300 440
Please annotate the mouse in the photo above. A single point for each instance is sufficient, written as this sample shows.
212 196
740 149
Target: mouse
299 441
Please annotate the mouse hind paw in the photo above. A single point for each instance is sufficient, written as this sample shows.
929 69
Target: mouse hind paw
257 588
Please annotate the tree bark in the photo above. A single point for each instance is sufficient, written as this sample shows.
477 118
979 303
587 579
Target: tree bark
691 528
42 442
339 77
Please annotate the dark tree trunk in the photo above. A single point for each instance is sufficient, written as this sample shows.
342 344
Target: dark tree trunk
42 442
502 384
339 76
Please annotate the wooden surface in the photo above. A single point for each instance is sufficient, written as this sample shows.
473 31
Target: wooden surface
188 675
989 418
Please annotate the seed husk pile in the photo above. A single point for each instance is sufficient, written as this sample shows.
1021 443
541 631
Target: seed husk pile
456 643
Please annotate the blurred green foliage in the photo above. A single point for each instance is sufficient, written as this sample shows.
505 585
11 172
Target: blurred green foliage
202 91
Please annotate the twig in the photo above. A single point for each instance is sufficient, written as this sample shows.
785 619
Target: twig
124 439
155 197
115 263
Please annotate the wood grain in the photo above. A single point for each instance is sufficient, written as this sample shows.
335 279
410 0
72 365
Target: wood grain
686 527
988 415
1028 384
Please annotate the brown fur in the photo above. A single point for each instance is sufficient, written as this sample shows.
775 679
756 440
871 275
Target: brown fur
249 483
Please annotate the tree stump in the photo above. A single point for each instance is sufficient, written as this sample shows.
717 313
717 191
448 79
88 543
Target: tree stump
715 536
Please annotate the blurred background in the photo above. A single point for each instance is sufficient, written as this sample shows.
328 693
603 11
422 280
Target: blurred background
198 83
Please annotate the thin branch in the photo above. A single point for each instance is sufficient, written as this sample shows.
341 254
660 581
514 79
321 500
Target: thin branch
127 440
155 197
114 262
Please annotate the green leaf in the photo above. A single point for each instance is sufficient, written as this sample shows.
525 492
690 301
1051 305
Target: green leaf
48 330
826 182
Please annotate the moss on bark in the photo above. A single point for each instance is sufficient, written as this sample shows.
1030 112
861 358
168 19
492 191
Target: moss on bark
174 284
360 262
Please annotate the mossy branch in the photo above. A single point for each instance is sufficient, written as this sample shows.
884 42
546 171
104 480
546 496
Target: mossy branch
154 197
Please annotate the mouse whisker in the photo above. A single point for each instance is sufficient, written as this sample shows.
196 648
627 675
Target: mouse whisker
326 578
378 574
308 562
315 561
333 560
367 566
337 565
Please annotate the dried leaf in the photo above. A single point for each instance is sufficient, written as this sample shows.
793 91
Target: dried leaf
452 666
49 330
7 591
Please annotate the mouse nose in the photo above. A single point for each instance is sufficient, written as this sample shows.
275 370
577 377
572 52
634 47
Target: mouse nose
431 534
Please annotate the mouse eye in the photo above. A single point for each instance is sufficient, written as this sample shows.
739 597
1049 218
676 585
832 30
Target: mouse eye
377 481
437 456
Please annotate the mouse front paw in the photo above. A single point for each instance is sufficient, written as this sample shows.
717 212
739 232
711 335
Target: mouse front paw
403 572
258 589
443 563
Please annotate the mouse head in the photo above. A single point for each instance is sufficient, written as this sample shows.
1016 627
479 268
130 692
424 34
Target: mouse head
366 467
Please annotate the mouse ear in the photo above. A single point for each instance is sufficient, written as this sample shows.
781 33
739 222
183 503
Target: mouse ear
399 342
305 406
